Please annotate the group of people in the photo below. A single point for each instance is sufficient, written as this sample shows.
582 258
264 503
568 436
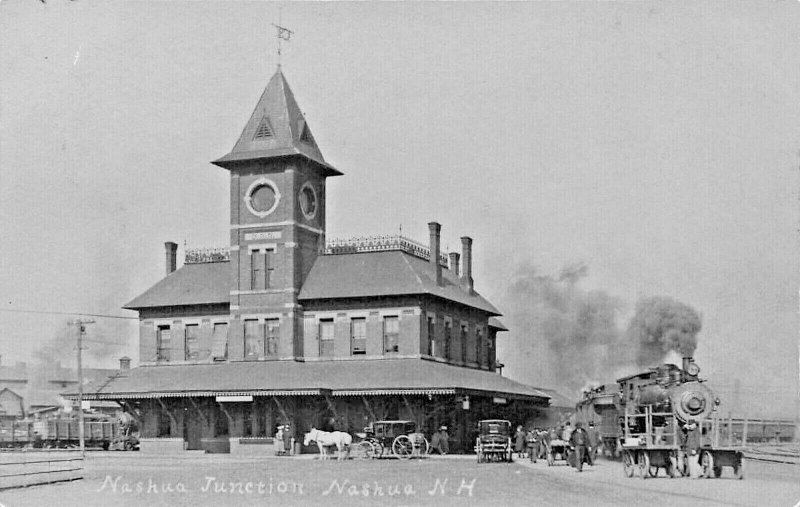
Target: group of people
283 440
536 442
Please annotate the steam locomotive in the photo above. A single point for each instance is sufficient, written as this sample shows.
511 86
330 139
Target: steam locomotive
100 431
641 416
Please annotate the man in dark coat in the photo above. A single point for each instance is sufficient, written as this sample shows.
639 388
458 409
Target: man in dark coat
594 440
580 442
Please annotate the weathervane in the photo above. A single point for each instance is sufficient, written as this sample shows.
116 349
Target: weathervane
283 34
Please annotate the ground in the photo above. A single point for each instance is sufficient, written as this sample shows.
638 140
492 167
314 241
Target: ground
137 479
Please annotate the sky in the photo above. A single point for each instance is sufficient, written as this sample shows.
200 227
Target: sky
656 143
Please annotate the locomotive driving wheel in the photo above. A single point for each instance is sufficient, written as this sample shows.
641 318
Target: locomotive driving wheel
627 462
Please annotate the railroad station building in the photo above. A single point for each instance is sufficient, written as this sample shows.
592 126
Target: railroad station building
284 327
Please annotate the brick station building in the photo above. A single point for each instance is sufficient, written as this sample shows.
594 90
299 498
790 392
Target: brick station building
284 327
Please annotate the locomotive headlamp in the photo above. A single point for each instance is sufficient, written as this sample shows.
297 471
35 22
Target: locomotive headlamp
693 369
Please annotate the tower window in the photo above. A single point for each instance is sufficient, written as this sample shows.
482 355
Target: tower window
358 336
478 345
163 343
260 269
264 129
391 334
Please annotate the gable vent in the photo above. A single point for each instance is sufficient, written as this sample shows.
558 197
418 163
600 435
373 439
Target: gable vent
264 129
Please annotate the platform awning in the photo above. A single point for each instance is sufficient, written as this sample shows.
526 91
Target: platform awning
410 376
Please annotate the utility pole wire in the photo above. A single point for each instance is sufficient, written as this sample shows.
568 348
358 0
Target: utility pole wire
71 314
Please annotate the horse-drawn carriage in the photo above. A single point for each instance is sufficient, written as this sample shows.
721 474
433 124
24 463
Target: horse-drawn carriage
494 441
397 438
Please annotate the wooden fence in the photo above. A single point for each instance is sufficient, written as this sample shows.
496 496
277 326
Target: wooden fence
30 467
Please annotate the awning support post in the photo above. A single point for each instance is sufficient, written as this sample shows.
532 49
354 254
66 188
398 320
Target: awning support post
369 409
169 412
280 408
200 412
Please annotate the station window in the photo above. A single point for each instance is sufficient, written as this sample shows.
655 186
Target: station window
478 345
463 344
391 334
431 336
273 336
192 341
326 337
253 339
219 342
448 331
358 336
163 343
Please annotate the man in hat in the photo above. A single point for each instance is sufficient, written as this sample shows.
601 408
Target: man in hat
287 440
439 441
691 447
579 439
594 440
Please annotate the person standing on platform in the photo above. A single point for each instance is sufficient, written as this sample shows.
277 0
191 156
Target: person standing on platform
692 447
519 442
287 440
594 440
567 433
439 441
579 439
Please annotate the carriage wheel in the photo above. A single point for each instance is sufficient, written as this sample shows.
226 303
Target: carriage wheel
550 458
365 450
738 467
402 447
379 448
707 462
644 464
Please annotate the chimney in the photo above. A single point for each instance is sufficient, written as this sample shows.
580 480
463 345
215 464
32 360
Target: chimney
466 256
454 262
435 229
125 363
172 256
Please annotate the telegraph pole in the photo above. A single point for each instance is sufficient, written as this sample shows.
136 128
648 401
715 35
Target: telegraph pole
81 325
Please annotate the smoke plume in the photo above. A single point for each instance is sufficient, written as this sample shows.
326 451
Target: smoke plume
660 325
562 335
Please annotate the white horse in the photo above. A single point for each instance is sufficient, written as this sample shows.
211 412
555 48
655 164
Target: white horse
325 439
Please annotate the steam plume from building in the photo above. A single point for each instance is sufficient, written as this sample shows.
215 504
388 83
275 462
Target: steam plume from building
660 325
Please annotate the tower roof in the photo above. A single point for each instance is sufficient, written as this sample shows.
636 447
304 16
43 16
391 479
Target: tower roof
277 128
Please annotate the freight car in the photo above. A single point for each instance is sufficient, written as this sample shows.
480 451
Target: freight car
100 431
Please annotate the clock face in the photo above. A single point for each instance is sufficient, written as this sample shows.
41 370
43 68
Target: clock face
262 197
308 201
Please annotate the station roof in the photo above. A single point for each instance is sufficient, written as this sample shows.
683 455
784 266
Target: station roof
192 284
387 273
408 376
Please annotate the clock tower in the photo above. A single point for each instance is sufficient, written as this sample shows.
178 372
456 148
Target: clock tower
277 191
